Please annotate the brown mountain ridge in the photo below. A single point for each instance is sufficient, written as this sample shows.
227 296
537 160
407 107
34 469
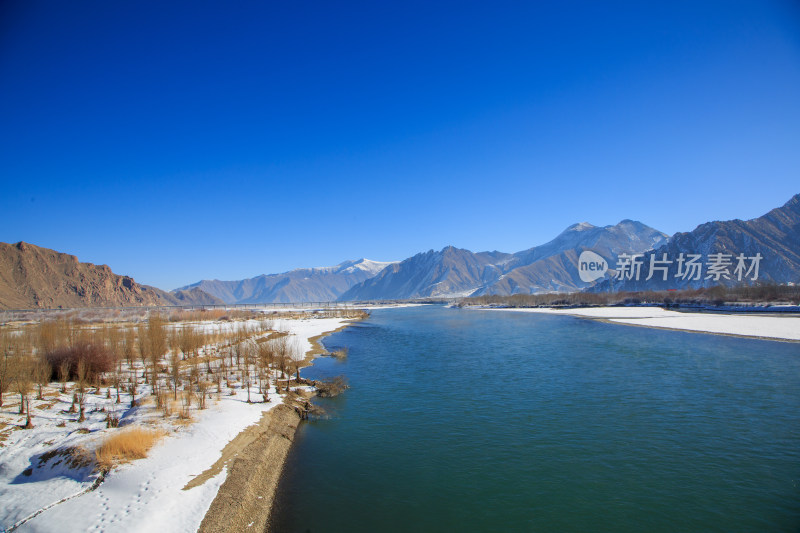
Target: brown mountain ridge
34 277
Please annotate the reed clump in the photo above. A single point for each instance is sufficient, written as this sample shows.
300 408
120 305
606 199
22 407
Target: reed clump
126 445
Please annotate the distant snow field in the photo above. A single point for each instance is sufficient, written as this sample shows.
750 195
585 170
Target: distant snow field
771 327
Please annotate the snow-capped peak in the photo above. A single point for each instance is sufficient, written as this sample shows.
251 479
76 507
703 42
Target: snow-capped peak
581 226
367 265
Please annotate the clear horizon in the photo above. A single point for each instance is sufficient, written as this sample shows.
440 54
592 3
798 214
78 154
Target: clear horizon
185 142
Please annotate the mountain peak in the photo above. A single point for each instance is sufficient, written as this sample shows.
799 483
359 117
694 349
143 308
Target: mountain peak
367 265
581 226
793 201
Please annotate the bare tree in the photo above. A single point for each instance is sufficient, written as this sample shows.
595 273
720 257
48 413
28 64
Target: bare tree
144 349
117 377
132 388
223 372
63 374
114 342
129 351
185 340
266 356
281 358
295 356
202 389
5 363
22 372
175 371
41 375
53 334
157 339
80 390
129 347
247 352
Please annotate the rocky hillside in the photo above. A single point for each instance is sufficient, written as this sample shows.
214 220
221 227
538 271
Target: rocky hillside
34 277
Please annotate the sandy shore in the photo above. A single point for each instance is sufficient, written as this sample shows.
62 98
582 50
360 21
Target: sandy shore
782 328
245 498
255 459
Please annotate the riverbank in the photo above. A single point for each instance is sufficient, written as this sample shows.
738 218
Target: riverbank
782 328
245 498
174 487
256 458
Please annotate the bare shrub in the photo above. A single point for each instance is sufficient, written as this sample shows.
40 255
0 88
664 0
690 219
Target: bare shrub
330 387
163 403
186 406
54 333
97 358
112 417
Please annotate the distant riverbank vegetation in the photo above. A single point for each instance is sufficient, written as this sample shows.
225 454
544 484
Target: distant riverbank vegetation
755 295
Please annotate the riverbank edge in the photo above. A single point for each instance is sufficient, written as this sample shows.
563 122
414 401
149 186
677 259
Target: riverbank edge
665 328
244 501
622 321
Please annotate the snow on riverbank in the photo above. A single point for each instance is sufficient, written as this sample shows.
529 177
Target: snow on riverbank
771 327
142 495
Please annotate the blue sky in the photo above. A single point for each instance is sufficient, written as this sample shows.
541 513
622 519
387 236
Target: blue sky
178 141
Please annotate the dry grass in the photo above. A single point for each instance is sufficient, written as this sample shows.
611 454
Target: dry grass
126 445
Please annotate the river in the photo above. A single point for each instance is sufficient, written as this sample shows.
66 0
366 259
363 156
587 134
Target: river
465 420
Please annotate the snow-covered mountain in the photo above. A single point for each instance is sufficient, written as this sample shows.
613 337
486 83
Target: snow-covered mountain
775 237
364 265
454 272
449 272
301 285
552 267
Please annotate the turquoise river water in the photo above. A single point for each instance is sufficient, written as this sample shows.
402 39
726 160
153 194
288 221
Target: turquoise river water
465 420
